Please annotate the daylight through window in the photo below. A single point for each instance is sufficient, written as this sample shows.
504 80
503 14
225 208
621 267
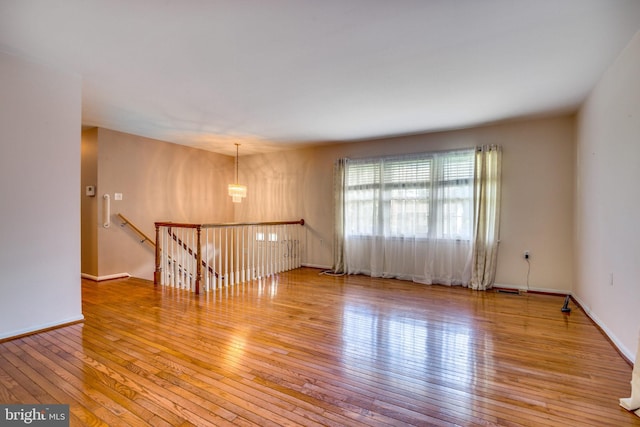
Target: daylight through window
427 195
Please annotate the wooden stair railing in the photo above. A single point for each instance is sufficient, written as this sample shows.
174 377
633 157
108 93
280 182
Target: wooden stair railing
145 238
191 252
240 251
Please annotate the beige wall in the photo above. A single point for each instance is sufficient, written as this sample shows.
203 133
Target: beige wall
608 201
89 204
159 181
538 188
40 209
162 181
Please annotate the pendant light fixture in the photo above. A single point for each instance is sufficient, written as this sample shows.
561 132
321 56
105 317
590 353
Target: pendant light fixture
237 191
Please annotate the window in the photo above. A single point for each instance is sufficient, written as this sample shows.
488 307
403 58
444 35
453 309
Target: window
427 196
273 237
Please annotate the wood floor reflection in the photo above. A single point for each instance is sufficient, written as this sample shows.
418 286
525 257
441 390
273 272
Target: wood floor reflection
305 349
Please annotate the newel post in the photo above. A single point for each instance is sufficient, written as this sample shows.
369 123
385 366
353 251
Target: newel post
198 260
158 270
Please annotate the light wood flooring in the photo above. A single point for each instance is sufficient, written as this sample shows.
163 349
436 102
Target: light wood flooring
303 349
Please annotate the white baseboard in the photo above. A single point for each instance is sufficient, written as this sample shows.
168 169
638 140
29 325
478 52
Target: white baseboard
621 348
614 340
36 328
322 267
107 277
524 288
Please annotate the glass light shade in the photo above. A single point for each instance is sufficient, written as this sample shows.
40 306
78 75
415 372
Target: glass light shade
237 192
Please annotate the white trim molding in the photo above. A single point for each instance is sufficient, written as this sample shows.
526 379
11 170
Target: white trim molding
616 342
107 277
319 266
524 289
38 328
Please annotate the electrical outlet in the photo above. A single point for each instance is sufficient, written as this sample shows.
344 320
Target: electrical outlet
526 254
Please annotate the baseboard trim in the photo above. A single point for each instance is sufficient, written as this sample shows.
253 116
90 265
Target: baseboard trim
628 356
107 277
318 266
41 328
546 291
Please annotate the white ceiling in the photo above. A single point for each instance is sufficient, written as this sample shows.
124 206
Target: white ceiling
275 74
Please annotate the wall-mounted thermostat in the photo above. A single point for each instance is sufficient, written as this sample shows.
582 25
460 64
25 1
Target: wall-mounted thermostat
90 190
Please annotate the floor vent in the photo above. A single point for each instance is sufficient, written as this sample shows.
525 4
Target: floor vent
508 291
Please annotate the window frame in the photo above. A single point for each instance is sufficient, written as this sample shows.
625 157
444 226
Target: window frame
436 172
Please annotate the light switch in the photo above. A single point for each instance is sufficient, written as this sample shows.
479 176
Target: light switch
117 196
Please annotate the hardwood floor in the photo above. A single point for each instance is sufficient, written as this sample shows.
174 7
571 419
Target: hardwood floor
304 350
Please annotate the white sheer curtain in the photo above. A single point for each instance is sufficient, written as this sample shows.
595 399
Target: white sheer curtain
410 217
487 200
339 182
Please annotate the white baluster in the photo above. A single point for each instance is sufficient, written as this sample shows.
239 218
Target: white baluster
204 255
278 249
220 273
253 253
261 252
191 260
242 279
174 261
180 253
287 252
226 257
163 256
237 248
185 259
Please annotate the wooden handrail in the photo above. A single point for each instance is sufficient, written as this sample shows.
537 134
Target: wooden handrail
177 224
226 224
145 238
237 224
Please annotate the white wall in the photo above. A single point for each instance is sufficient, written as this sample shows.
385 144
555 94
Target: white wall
40 208
608 201
538 192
